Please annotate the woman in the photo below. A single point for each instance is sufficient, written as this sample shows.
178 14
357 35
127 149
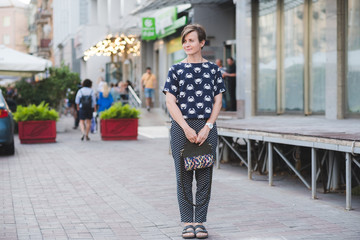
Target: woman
105 99
86 104
193 91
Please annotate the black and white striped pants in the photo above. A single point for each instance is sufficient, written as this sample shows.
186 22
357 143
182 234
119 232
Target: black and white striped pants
202 176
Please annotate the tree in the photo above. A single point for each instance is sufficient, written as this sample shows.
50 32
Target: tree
51 90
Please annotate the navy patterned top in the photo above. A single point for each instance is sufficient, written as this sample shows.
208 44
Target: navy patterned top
194 85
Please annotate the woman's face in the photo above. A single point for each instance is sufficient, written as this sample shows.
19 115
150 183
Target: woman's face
191 43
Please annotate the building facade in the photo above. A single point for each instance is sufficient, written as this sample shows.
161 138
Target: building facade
40 26
13 25
298 57
81 26
293 57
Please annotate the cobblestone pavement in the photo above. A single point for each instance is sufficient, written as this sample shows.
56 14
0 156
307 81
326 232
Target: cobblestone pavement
126 190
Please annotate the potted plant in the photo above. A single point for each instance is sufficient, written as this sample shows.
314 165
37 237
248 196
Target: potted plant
37 124
119 122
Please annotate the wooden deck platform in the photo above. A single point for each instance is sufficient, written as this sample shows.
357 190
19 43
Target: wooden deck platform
313 129
314 132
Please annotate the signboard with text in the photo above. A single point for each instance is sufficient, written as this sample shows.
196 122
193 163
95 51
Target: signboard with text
164 24
148 29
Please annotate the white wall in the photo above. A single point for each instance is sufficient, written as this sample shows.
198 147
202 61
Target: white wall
65 20
244 88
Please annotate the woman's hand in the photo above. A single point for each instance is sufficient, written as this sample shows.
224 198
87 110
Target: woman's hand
203 135
190 134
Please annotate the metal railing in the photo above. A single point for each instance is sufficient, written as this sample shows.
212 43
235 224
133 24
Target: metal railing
134 100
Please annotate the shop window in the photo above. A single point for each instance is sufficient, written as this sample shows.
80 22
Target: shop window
353 71
293 85
291 56
318 66
113 72
266 81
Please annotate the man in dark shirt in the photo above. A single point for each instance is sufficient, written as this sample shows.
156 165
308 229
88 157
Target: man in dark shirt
231 81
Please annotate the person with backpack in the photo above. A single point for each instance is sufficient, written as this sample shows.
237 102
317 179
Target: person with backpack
86 104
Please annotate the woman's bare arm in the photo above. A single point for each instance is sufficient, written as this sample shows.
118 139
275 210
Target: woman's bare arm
178 117
204 132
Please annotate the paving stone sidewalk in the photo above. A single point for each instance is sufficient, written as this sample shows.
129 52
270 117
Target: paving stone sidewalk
126 190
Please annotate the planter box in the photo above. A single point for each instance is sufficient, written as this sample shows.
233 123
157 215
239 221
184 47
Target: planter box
119 129
37 131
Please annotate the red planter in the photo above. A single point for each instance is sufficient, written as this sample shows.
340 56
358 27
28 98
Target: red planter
119 129
37 131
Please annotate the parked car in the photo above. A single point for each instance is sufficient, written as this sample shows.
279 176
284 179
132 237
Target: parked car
6 127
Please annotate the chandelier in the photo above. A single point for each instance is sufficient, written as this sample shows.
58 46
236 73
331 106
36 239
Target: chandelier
115 45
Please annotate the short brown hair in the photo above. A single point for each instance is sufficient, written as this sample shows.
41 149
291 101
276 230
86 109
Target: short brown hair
191 28
87 83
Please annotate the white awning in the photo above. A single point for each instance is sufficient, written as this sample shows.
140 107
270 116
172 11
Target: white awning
16 63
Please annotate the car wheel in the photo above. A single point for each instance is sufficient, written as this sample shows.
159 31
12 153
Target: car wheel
10 148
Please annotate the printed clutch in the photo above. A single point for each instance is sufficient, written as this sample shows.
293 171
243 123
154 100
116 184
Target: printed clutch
197 157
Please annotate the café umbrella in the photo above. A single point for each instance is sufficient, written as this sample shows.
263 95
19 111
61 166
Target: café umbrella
15 63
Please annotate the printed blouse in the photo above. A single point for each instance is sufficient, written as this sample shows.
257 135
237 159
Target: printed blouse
194 85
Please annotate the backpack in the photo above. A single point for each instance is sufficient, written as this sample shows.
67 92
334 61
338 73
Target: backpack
86 101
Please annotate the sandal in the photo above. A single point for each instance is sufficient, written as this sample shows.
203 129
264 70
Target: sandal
201 229
187 230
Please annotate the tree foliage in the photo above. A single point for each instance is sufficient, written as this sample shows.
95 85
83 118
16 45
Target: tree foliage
51 90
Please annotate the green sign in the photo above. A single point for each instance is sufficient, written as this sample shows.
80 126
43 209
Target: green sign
166 24
148 29
172 28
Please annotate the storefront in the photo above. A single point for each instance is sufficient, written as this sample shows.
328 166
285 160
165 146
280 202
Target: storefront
165 49
122 52
299 57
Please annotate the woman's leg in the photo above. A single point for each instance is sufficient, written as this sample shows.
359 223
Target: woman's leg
88 125
203 182
82 126
177 143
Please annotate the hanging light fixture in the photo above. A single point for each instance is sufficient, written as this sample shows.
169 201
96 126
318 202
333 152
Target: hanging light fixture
114 45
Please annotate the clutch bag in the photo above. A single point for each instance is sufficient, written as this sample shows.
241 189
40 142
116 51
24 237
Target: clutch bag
197 157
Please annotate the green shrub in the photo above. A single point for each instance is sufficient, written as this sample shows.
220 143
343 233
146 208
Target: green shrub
51 90
118 110
35 113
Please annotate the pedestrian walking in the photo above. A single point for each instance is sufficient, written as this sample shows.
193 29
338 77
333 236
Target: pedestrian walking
124 96
193 91
115 92
86 104
76 111
231 83
148 82
105 99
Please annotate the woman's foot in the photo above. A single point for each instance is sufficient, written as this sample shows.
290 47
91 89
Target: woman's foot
87 138
188 232
201 232
82 138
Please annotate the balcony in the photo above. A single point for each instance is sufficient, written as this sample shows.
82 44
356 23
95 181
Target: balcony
45 43
44 49
45 14
39 19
